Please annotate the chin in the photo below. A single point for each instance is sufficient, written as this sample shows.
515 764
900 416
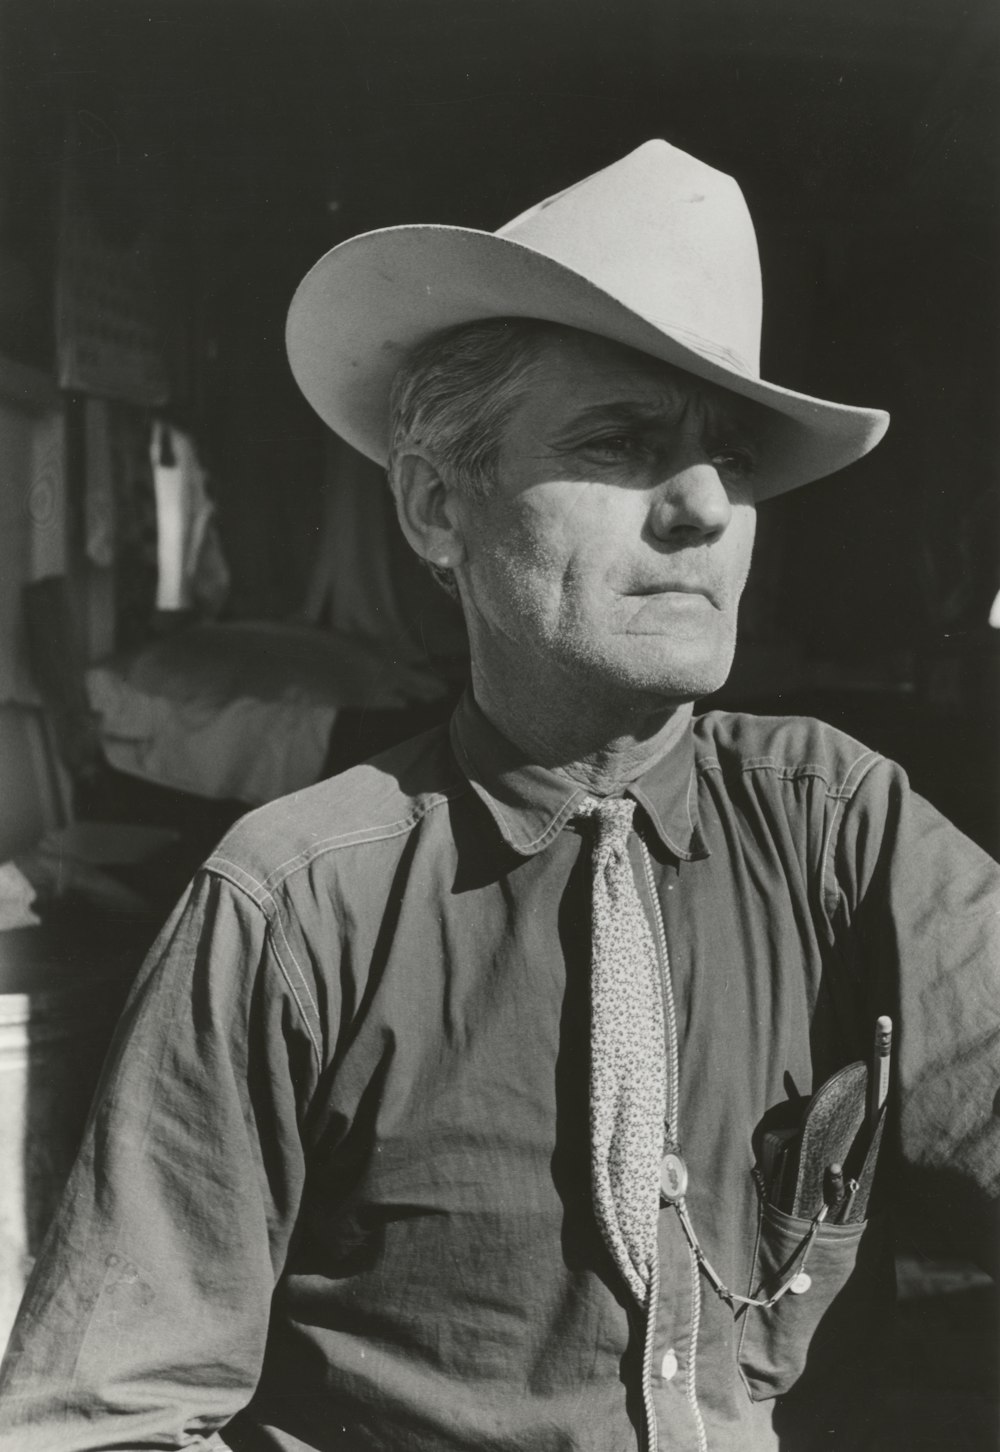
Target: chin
678 675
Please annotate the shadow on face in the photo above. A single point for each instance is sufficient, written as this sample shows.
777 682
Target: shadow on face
613 548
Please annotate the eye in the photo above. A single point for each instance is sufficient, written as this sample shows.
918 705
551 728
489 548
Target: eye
735 461
617 446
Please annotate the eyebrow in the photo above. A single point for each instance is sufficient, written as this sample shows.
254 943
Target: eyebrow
718 413
623 412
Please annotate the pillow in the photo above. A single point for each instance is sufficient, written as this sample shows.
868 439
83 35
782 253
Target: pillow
242 711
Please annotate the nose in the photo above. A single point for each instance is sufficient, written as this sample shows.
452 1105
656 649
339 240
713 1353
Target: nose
691 505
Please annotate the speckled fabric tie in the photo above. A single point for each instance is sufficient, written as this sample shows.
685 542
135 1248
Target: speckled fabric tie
628 1053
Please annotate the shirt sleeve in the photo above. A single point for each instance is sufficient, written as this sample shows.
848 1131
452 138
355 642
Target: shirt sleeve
145 1320
924 904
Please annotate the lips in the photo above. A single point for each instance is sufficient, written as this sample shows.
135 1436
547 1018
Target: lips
672 589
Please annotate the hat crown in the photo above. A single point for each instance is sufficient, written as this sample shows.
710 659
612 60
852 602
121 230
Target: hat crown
668 236
656 252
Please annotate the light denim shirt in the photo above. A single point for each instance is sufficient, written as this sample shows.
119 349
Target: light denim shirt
334 1193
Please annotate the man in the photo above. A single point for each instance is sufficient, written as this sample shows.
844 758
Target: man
435 1120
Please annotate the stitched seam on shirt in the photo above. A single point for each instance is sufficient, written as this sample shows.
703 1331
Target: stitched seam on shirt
787 771
278 928
284 870
550 830
359 838
260 896
502 823
235 874
783 772
554 827
867 759
843 799
800 770
494 807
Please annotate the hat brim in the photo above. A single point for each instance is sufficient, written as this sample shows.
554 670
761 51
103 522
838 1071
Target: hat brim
368 302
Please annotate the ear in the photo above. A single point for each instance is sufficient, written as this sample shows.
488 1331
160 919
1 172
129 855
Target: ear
427 512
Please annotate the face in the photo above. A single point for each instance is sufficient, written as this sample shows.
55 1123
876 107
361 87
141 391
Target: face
613 551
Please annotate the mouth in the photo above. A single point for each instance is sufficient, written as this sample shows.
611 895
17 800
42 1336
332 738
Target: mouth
652 591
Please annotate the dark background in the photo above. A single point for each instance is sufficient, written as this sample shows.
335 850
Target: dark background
250 137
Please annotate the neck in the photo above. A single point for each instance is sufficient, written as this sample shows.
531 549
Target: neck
602 749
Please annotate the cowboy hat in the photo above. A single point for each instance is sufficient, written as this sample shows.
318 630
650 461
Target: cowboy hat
657 252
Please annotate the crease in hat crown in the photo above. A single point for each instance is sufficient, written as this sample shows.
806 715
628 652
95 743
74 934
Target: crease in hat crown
656 251
686 216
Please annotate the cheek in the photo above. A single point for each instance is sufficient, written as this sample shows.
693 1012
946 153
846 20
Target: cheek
573 552
734 553
746 523
531 539
518 563
550 553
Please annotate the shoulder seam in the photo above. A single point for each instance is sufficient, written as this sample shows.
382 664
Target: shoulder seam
866 760
263 901
361 836
262 894
828 869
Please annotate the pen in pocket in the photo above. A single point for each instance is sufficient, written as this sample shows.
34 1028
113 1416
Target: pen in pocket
845 1211
833 1187
881 1062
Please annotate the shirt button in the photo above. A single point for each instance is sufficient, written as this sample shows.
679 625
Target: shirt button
800 1284
668 1367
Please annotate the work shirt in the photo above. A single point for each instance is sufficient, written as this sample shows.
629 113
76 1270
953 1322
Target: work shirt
335 1192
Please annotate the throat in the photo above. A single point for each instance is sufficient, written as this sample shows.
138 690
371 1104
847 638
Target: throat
602 751
608 769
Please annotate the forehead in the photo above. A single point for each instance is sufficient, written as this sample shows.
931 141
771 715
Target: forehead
575 373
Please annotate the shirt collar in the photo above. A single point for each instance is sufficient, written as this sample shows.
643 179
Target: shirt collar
531 804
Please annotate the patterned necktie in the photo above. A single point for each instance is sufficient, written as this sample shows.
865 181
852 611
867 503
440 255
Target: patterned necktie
628 1053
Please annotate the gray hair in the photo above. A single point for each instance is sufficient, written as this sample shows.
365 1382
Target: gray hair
455 393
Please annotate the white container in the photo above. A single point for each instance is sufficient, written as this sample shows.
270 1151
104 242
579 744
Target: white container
59 1000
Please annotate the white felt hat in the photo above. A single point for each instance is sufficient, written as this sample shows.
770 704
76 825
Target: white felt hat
657 251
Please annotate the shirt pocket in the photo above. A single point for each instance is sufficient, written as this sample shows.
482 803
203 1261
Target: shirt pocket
836 1321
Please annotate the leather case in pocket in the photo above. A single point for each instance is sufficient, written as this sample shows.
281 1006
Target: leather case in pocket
831 1128
833 1322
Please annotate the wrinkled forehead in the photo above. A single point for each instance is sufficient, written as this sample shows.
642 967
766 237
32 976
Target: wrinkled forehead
581 373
